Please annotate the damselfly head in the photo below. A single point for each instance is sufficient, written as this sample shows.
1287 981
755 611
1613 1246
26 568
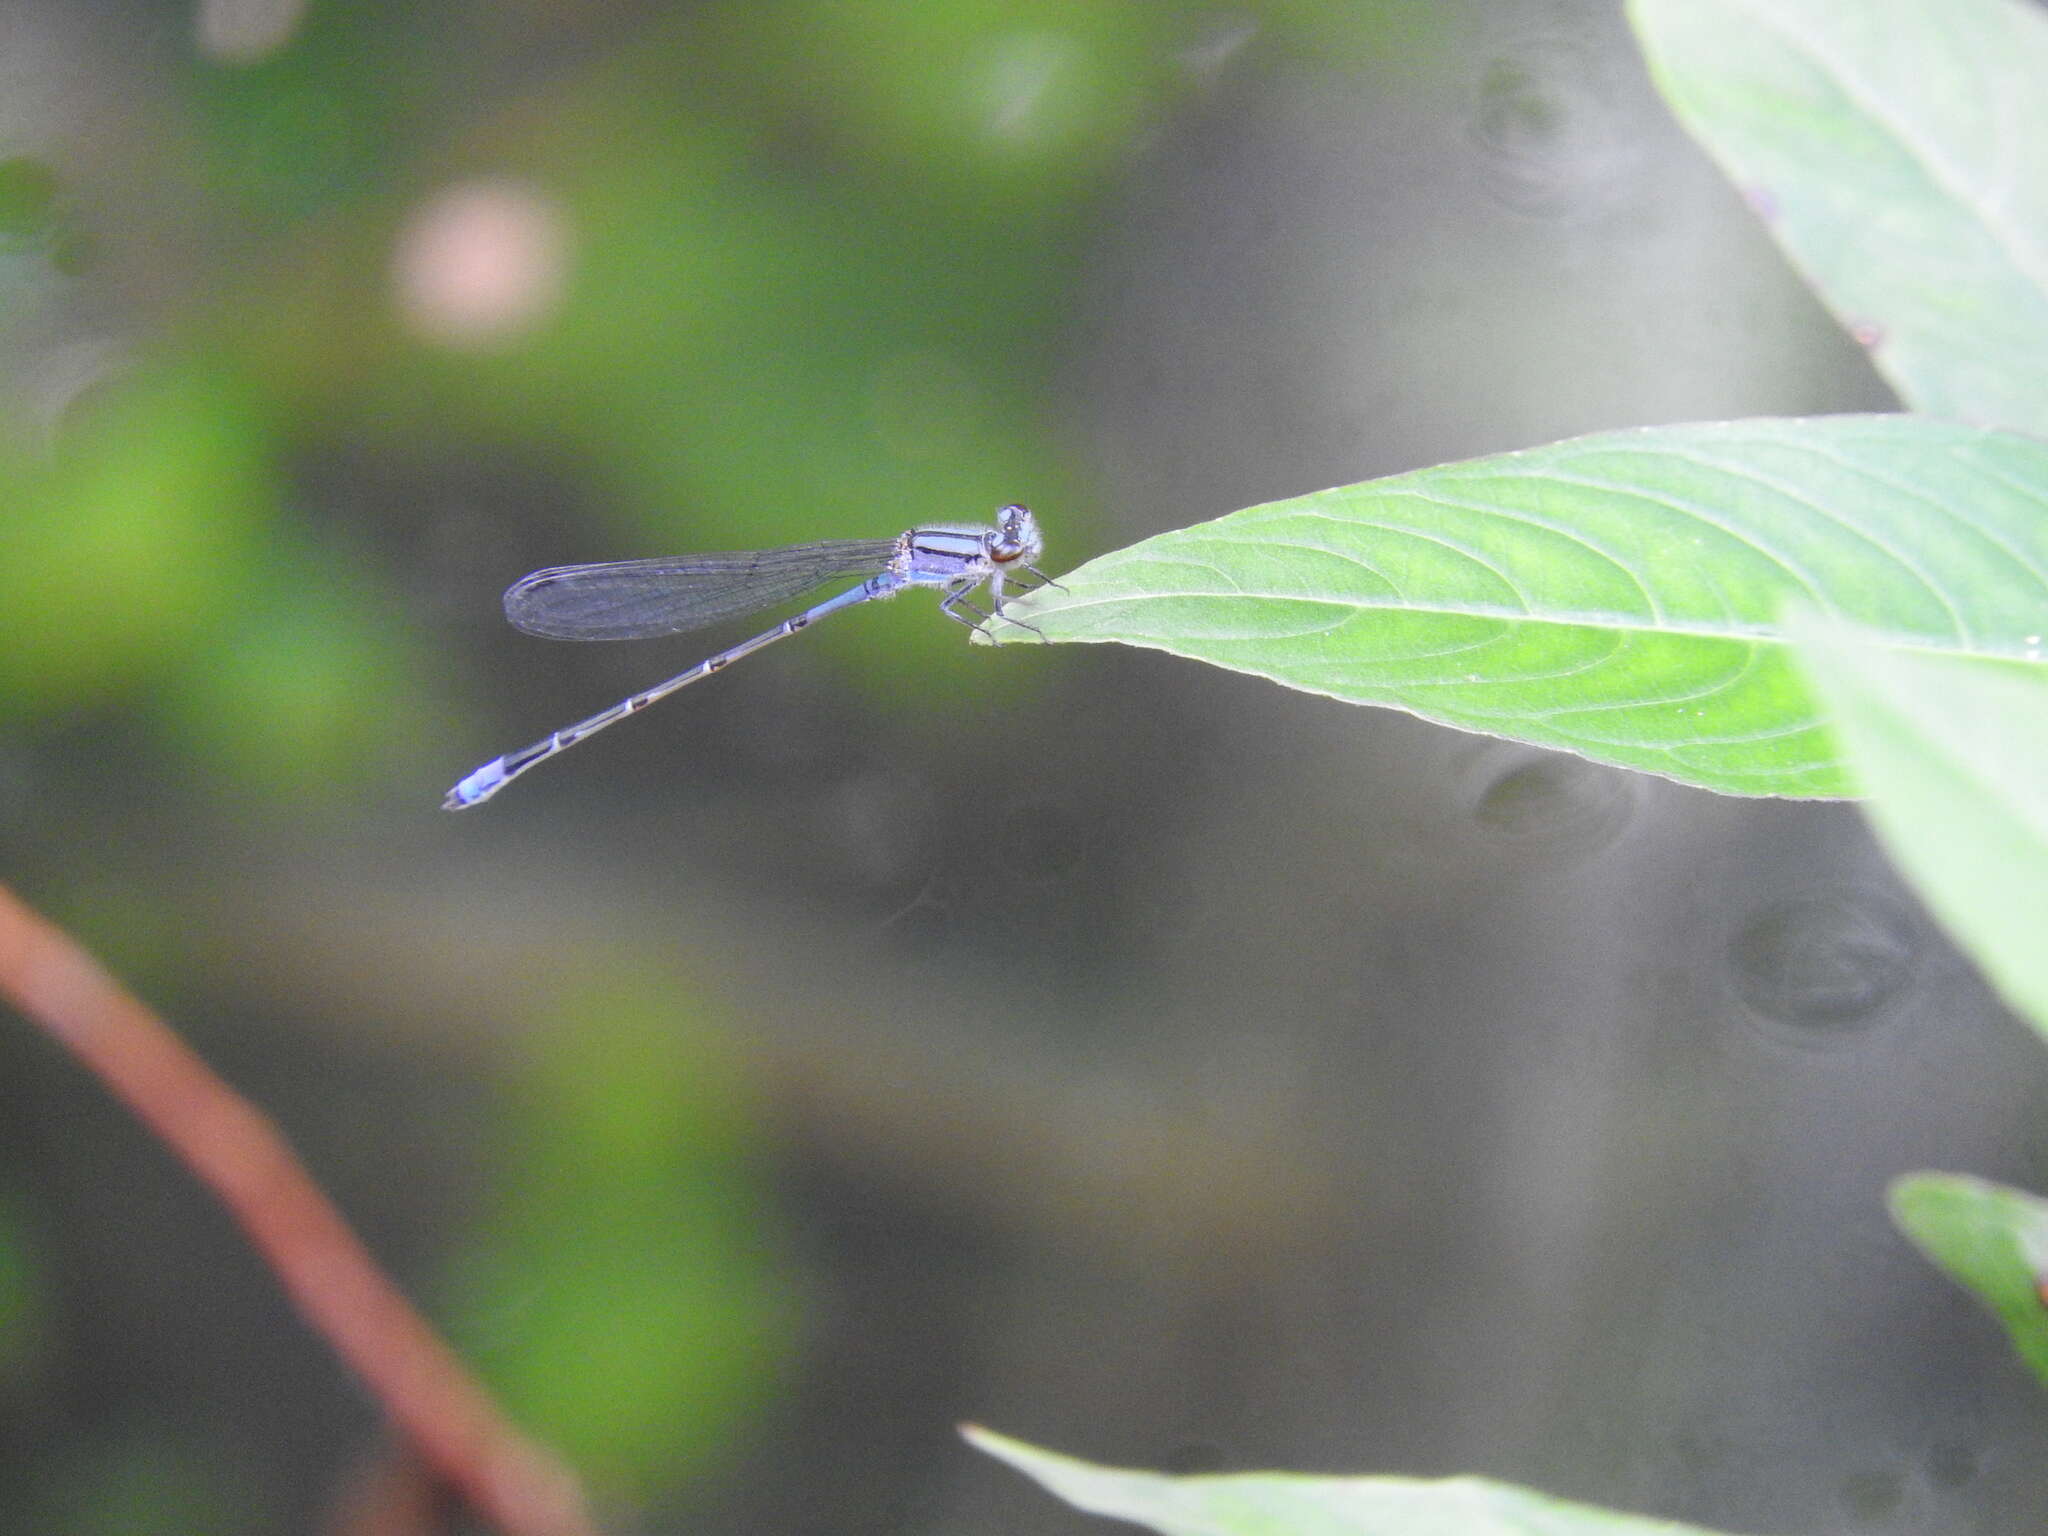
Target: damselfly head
1016 536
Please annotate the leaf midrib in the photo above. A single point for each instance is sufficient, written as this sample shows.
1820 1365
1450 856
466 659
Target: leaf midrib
1632 624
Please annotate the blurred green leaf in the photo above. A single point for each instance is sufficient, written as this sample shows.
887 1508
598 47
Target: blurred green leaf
41 246
622 1293
28 199
1992 1241
1291 1504
308 688
745 341
1616 596
326 119
1898 152
1951 752
1002 99
128 546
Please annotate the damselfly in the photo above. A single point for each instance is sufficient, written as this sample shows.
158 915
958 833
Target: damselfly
640 599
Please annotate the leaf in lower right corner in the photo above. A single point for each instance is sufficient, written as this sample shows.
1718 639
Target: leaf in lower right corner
1293 1504
1991 1240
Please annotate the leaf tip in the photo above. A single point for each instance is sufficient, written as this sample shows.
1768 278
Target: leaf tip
1002 1447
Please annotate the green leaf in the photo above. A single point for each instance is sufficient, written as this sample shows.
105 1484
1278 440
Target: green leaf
1898 151
1951 752
128 542
1273 1503
38 243
1615 596
622 1294
28 198
1991 1240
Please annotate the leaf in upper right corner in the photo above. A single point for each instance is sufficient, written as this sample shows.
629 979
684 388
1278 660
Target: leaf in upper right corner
1897 150
1950 750
1296 1504
1993 1241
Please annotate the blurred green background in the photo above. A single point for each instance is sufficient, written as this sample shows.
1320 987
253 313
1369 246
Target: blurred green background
892 1032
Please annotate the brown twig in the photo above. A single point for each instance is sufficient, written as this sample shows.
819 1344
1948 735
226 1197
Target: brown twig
236 1151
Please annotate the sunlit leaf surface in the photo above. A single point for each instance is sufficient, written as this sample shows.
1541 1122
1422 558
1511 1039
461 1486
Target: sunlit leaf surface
1898 151
1616 596
1288 1504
